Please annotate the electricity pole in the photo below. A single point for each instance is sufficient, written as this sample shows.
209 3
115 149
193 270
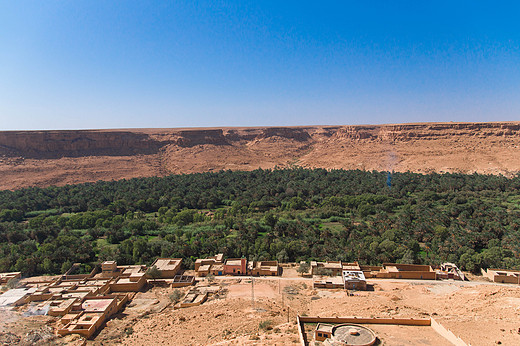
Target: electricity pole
253 292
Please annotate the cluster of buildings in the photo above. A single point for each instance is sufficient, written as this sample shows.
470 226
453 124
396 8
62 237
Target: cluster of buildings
84 302
216 266
352 276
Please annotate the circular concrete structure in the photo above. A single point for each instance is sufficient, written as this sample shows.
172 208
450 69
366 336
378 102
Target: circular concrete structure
351 335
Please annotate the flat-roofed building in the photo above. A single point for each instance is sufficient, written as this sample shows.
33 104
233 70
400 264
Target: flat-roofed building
323 331
91 315
354 280
203 270
326 268
203 266
235 266
406 271
109 269
217 269
370 271
330 282
263 268
132 283
168 267
351 266
201 262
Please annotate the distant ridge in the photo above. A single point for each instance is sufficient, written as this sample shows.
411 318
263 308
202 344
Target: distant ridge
59 157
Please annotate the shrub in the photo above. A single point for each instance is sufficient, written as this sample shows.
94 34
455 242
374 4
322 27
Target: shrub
266 325
176 296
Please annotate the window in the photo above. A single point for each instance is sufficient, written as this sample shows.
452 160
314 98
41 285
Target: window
319 334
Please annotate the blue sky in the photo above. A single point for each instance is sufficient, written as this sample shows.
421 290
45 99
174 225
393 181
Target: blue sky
101 64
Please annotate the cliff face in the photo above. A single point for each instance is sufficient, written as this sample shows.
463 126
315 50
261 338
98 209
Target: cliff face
55 144
60 157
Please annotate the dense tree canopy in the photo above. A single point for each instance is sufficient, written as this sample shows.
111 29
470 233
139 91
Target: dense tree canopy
283 214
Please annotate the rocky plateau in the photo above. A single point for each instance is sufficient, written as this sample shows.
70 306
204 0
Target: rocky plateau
45 158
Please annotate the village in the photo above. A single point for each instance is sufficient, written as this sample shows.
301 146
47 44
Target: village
82 304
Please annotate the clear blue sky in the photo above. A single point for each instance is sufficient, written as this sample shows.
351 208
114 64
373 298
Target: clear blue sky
103 64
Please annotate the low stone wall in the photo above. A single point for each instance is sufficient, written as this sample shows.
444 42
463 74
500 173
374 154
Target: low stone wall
447 334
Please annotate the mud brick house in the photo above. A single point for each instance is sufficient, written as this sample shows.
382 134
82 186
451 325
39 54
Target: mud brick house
168 267
88 317
406 271
354 280
235 266
263 268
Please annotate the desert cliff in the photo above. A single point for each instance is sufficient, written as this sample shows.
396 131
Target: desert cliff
43 158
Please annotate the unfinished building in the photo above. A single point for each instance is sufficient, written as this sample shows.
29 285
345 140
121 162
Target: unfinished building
182 281
5 277
449 271
194 297
502 275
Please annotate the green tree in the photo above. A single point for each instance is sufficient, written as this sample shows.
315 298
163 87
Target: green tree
154 273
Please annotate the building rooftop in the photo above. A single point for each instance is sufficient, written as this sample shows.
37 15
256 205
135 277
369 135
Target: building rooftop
96 305
204 268
234 262
324 327
14 295
167 263
353 275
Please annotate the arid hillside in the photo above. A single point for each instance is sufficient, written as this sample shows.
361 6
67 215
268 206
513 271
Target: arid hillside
43 158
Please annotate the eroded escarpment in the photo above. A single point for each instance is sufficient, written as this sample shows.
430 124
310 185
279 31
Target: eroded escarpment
43 158
56 144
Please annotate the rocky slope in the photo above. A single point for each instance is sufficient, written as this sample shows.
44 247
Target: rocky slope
43 158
